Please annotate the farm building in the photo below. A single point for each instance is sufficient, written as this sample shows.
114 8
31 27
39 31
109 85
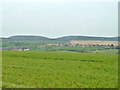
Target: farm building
53 44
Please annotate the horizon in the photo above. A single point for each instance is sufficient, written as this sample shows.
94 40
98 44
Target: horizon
58 36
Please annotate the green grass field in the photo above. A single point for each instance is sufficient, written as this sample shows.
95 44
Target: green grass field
37 69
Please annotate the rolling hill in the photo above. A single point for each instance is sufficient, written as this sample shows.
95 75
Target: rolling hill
24 37
66 38
88 38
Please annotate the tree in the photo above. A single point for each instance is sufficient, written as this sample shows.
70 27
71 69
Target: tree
112 45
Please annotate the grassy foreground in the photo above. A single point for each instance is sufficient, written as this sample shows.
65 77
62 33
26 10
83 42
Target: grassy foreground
36 69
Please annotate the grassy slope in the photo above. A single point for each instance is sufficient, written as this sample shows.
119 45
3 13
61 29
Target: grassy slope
59 69
66 48
109 51
112 51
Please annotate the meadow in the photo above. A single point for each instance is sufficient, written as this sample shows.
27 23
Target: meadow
46 69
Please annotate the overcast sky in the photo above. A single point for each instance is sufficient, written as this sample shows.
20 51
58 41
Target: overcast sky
62 18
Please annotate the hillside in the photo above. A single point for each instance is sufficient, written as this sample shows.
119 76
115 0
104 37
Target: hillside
24 37
38 69
65 38
88 38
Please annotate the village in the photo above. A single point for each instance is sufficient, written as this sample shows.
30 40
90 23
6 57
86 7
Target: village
104 44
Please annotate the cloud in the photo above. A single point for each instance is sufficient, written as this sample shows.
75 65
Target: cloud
70 1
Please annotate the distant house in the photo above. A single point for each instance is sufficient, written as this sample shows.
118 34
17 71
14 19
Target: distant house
53 44
26 49
107 47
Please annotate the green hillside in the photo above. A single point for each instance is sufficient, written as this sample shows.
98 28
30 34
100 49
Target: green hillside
35 69
66 38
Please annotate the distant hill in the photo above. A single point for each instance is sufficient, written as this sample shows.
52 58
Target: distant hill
65 38
23 37
88 38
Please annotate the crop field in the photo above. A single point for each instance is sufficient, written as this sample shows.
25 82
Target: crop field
43 69
95 42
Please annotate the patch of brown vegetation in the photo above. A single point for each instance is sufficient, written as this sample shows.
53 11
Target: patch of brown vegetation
85 42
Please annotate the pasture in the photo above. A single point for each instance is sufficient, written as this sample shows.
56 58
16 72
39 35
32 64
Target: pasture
43 69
